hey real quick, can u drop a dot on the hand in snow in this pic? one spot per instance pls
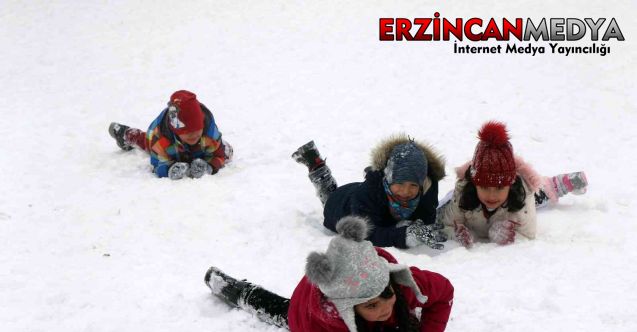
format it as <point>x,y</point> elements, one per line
<point>199,167</point>
<point>503,232</point>
<point>418,233</point>
<point>178,170</point>
<point>463,235</point>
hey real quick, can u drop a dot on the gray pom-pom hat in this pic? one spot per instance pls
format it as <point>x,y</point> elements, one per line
<point>350,272</point>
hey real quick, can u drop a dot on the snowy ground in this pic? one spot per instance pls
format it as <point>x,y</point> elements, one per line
<point>91,241</point>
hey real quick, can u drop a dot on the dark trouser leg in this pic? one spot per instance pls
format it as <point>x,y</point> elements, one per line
<point>136,137</point>
<point>269,307</point>
<point>323,181</point>
<point>541,199</point>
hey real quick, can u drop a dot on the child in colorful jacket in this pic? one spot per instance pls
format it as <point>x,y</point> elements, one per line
<point>399,195</point>
<point>353,286</point>
<point>497,193</point>
<point>182,141</point>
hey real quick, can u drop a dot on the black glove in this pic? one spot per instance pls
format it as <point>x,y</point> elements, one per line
<point>419,233</point>
<point>199,167</point>
<point>178,170</point>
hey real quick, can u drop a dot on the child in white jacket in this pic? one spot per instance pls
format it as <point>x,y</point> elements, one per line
<point>497,193</point>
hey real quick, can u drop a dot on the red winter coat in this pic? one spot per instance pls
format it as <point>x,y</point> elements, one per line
<point>310,311</point>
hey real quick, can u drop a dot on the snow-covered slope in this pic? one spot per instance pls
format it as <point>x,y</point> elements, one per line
<point>90,240</point>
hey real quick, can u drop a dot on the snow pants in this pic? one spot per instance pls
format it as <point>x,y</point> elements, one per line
<point>136,137</point>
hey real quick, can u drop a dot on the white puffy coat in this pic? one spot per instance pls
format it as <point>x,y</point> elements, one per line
<point>476,221</point>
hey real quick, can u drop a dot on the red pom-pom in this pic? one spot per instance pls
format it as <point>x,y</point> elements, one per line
<point>494,133</point>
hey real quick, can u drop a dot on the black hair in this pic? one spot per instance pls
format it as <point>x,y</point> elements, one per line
<point>406,321</point>
<point>469,195</point>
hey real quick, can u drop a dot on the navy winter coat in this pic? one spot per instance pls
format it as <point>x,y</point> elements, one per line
<point>368,199</point>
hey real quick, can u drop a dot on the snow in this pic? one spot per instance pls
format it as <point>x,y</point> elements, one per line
<point>92,241</point>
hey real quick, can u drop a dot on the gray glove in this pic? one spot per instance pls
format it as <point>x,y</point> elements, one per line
<point>418,233</point>
<point>178,170</point>
<point>199,167</point>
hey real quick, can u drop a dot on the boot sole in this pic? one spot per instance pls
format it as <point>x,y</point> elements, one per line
<point>111,131</point>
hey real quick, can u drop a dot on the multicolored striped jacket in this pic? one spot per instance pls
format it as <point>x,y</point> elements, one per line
<point>165,147</point>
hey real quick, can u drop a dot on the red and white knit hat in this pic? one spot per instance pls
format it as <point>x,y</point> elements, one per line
<point>493,164</point>
<point>184,113</point>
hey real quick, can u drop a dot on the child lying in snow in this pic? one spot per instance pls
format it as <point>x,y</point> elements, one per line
<point>352,287</point>
<point>182,141</point>
<point>497,193</point>
<point>399,195</point>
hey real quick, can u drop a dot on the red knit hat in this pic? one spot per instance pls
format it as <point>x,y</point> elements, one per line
<point>493,164</point>
<point>184,113</point>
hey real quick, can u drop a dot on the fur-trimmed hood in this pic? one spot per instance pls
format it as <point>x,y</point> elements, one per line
<point>380,155</point>
<point>522,168</point>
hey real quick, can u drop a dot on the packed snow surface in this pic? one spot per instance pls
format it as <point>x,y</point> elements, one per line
<point>91,240</point>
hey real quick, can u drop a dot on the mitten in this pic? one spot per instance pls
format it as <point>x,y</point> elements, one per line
<point>464,235</point>
<point>199,167</point>
<point>178,170</point>
<point>418,233</point>
<point>502,232</point>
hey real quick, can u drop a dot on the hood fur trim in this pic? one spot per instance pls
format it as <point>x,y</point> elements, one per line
<point>380,154</point>
<point>522,168</point>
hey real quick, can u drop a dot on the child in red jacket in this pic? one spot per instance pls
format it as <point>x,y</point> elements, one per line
<point>353,286</point>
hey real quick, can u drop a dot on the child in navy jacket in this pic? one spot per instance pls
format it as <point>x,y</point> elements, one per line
<point>399,195</point>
